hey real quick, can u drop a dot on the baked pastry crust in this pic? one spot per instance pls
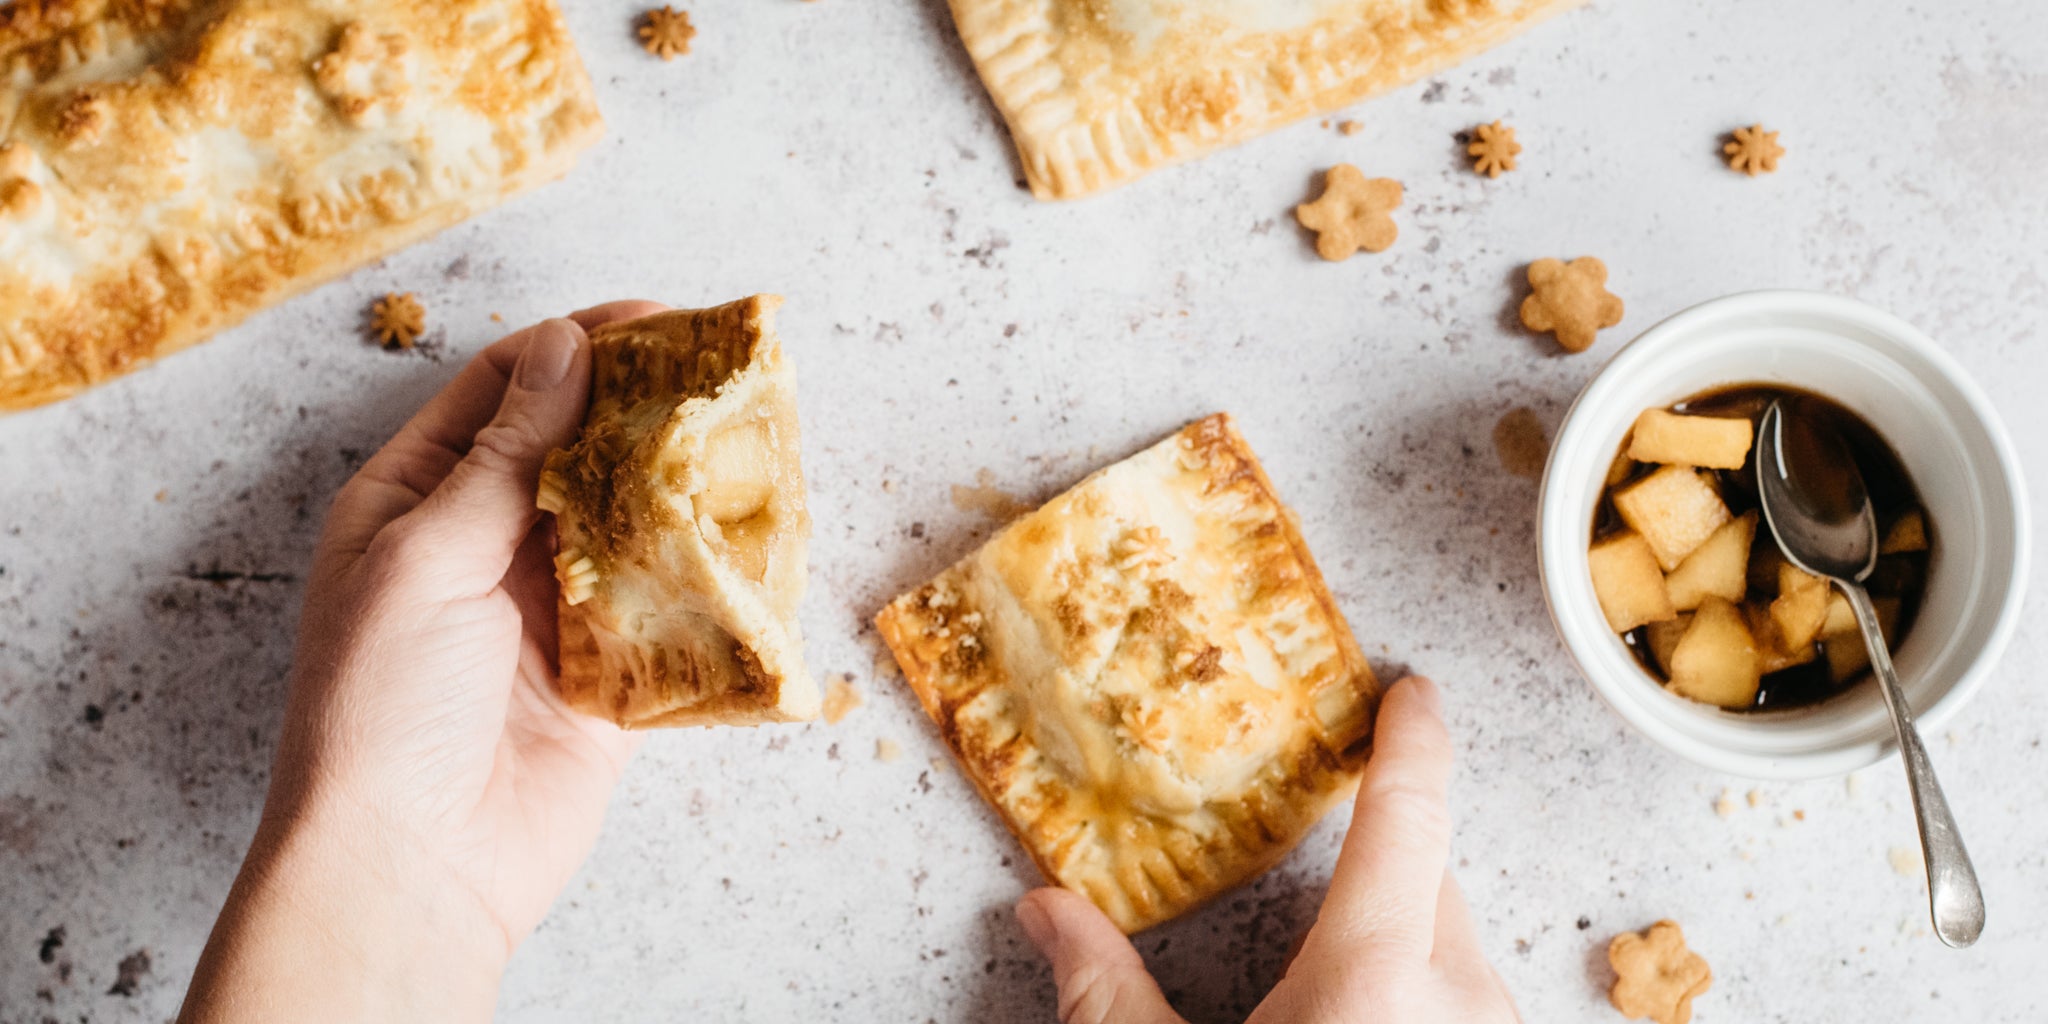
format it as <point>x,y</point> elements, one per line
<point>171,166</point>
<point>1098,92</point>
<point>681,525</point>
<point>1146,677</point>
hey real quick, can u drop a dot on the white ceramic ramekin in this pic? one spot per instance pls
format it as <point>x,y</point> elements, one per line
<point>1943,428</point>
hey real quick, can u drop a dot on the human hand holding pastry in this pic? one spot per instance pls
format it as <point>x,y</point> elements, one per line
<point>432,792</point>
<point>1394,941</point>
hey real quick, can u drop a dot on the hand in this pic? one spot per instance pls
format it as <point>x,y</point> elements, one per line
<point>432,793</point>
<point>1394,943</point>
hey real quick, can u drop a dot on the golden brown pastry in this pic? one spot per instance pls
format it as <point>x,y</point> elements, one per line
<point>1146,677</point>
<point>681,524</point>
<point>168,167</point>
<point>1098,92</point>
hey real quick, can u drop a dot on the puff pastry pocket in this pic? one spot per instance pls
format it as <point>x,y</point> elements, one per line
<point>168,167</point>
<point>681,525</point>
<point>1146,677</point>
<point>1098,92</point>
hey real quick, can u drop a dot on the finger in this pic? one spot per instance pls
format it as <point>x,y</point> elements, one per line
<point>1101,978</point>
<point>410,465</point>
<point>1457,938</point>
<point>610,312</point>
<point>465,533</point>
<point>1384,889</point>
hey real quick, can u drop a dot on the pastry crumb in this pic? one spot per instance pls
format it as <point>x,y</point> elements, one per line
<point>1756,798</point>
<point>163,495</point>
<point>1853,785</point>
<point>1519,441</point>
<point>888,486</point>
<point>986,499</point>
<point>1493,149</point>
<point>497,318</point>
<point>1753,151</point>
<point>1349,127</point>
<point>1354,212</point>
<point>941,765</point>
<point>840,698</point>
<point>666,32</point>
<point>1724,805</point>
<point>887,750</point>
<point>397,321</point>
<point>1907,861</point>
<point>1570,301</point>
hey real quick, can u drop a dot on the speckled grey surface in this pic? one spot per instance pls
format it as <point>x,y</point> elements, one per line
<point>154,533</point>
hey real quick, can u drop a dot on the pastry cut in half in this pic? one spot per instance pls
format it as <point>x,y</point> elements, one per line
<point>1146,677</point>
<point>681,526</point>
<point>1098,92</point>
<point>168,167</point>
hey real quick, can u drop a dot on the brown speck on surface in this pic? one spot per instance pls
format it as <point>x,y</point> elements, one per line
<point>18,826</point>
<point>986,499</point>
<point>840,698</point>
<point>53,940</point>
<point>1519,440</point>
<point>129,974</point>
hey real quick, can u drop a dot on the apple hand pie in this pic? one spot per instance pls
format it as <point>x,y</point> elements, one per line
<point>1146,677</point>
<point>168,167</point>
<point>1098,92</point>
<point>681,523</point>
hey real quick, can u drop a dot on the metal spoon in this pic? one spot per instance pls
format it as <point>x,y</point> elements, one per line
<point>1814,499</point>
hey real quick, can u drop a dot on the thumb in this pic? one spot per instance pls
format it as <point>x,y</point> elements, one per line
<point>473,523</point>
<point>1101,978</point>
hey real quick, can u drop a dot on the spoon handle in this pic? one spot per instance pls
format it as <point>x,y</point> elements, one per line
<point>1956,901</point>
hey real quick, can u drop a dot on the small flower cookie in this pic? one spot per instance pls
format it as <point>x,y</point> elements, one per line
<point>1354,212</point>
<point>1753,151</point>
<point>666,32</point>
<point>1493,149</point>
<point>398,320</point>
<point>1657,977</point>
<point>1570,300</point>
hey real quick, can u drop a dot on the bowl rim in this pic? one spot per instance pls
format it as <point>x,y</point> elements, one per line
<point>1842,757</point>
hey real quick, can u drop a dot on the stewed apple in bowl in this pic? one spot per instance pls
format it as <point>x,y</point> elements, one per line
<point>1703,598</point>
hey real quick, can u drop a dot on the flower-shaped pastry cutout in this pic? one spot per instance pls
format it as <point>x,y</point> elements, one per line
<point>1753,151</point>
<point>1493,149</point>
<point>1354,212</point>
<point>398,320</point>
<point>1656,976</point>
<point>1570,300</point>
<point>666,33</point>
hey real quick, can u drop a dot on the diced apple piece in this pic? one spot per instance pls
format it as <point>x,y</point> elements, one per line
<point>1620,468</point>
<point>1846,654</point>
<point>1628,582</point>
<point>1719,567</point>
<point>1841,619</point>
<point>1716,661</point>
<point>1663,638</point>
<point>1772,653</point>
<point>1909,533</point>
<point>1710,442</point>
<point>1675,509</point>
<point>1801,608</point>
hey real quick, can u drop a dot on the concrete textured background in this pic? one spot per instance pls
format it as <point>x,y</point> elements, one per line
<point>153,533</point>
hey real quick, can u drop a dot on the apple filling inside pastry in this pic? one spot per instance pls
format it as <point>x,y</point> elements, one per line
<point>682,526</point>
<point>1146,677</point>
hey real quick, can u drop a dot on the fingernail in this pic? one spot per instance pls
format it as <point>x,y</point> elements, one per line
<point>1037,924</point>
<point>1426,691</point>
<point>545,363</point>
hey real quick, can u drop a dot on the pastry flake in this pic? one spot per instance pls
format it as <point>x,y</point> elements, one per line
<point>682,525</point>
<point>1146,677</point>
<point>1571,301</point>
<point>168,168</point>
<point>1098,92</point>
<point>1354,212</point>
<point>1753,151</point>
<point>1493,149</point>
<point>396,320</point>
<point>1656,976</point>
<point>666,32</point>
